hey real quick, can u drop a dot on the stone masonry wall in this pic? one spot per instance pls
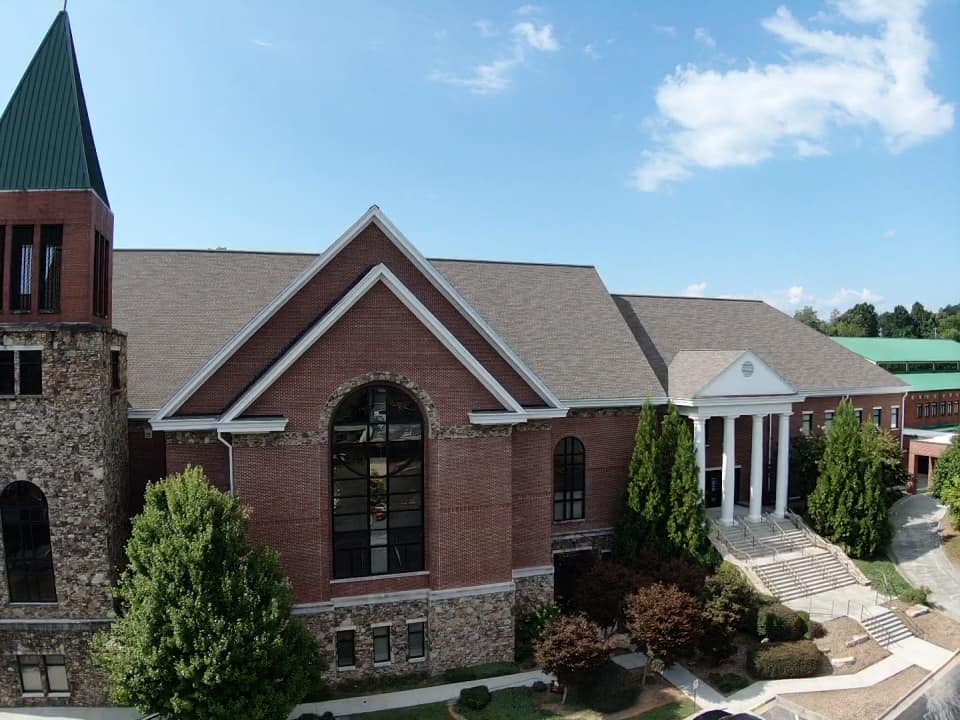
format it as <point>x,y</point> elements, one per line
<point>471,630</point>
<point>533,592</point>
<point>71,443</point>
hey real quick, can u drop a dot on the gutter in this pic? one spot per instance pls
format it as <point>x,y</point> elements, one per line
<point>229,458</point>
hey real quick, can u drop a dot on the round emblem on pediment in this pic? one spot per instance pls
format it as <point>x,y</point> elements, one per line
<point>747,368</point>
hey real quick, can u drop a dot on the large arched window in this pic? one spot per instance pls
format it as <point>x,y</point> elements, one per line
<point>377,484</point>
<point>569,473</point>
<point>26,543</point>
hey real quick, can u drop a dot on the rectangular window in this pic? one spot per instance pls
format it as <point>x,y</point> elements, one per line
<point>828,419</point>
<point>6,372</point>
<point>43,674</point>
<point>101,269</point>
<point>345,648</point>
<point>919,410</point>
<point>807,423</point>
<point>878,417</point>
<point>933,409</point>
<point>31,372</point>
<point>926,409</point>
<point>21,268</point>
<point>706,432</point>
<point>114,369</point>
<point>416,641</point>
<point>859,412</point>
<point>51,242</point>
<point>894,417</point>
<point>381,644</point>
<point>3,256</point>
<point>943,408</point>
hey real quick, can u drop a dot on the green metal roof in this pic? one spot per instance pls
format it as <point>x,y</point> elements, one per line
<point>45,137</point>
<point>922,382</point>
<point>902,349</point>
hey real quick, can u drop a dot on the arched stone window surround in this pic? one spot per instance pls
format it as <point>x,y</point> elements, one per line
<point>28,552</point>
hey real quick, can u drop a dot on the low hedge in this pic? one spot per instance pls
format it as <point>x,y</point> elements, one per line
<point>611,689</point>
<point>778,622</point>
<point>728,683</point>
<point>479,672</point>
<point>781,660</point>
<point>475,698</point>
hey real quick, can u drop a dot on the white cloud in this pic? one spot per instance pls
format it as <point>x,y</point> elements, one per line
<point>712,119</point>
<point>591,52</point>
<point>695,289</point>
<point>794,295</point>
<point>262,43</point>
<point>664,29</point>
<point>845,297</point>
<point>889,233</point>
<point>528,9</point>
<point>702,36</point>
<point>541,38</point>
<point>485,27</point>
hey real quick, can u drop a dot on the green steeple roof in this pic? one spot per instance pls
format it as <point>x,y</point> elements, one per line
<point>45,137</point>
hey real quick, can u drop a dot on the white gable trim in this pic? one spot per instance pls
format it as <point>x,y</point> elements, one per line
<point>380,273</point>
<point>728,379</point>
<point>374,215</point>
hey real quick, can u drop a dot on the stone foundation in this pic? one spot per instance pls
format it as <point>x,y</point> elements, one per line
<point>599,541</point>
<point>88,684</point>
<point>471,630</point>
<point>534,591</point>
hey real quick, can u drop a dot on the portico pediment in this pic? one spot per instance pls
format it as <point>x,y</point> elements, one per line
<point>696,375</point>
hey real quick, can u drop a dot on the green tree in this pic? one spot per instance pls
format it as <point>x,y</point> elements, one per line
<point>572,648</point>
<point>667,450</point>
<point>859,321</point>
<point>665,621</point>
<point>205,631</point>
<point>897,323</point>
<point>687,523</point>
<point>872,521</point>
<point>831,505</point>
<point>946,480</point>
<point>948,320</point>
<point>730,604</point>
<point>808,316</point>
<point>645,495</point>
<point>806,453</point>
<point>924,321</point>
<point>885,450</point>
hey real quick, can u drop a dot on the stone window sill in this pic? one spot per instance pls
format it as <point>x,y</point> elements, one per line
<point>58,695</point>
<point>368,578</point>
<point>33,604</point>
<point>569,522</point>
<point>417,659</point>
<point>385,663</point>
<point>346,668</point>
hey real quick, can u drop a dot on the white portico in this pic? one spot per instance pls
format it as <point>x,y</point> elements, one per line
<point>729,384</point>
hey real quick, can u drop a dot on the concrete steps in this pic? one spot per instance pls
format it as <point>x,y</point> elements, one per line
<point>760,541</point>
<point>810,574</point>
<point>886,628</point>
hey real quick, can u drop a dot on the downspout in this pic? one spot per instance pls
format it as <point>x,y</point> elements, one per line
<point>229,457</point>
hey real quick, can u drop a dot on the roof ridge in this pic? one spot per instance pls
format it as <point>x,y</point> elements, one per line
<point>686,297</point>
<point>513,262</point>
<point>216,251</point>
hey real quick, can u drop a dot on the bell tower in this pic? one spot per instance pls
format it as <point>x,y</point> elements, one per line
<point>56,227</point>
<point>63,399</point>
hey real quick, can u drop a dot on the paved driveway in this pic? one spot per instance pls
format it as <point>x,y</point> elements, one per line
<point>916,549</point>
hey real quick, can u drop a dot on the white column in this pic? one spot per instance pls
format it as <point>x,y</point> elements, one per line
<point>756,470</point>
<point>727,471</point>
<point>699,442</point>
<point>783,464</point>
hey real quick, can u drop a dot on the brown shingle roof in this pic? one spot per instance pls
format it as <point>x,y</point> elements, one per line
<point>178,307</point>
<point>692,370</point>
<point>805,358</point>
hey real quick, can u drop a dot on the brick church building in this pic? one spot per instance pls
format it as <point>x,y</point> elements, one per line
<point>418,438</point>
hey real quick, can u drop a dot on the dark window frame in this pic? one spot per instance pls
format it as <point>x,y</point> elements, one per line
<point>8,373</point>
<point>115,371</point>
<point>43,663</point>
<point>51,269</point>
<point>344,639</point>
<point>859,413</point>
<point>806,423</point>
<point>3,259</point>
<point>828,417</point>
<point>382,633</point>
<point>28,551</point>
<point>569,479</point>
<point>894,417</point>
<point>417,629</point>
<point>878,416</point>
<point>21,268</point>
<point>30,381</point>
<point>101,274</point>
<point>368,440</point>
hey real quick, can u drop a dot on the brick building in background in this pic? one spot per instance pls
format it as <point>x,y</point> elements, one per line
<point>419,439</point>
<point>931,408</point>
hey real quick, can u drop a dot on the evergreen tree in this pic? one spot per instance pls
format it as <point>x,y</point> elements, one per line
<point>205,631</point>
<point>832,504</point>
<point>645,490</point>
<point>871,515</point>
<point>687,523</point>
<point>667,450</point>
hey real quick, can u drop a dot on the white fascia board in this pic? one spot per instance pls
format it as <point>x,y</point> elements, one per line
<point>459,302</point>
<point>498,418</point>
<point>734,400</point>
<point>380,273</point>
<point>614,402</point>
<point>374,214</point>
<point>135,414</point>
<point>546,413</point>
<point>243,426</point>
<point>846,392</point>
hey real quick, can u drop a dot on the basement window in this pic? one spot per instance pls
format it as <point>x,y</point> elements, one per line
<point>29,363</point>
<point>43,674</point>
<point>345,649</point>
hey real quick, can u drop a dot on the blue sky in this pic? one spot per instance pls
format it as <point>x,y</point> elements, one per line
<point>802,152</point>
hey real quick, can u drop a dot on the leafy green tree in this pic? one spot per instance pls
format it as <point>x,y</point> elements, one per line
<point>808,316</point>
<point>859,321</point>
<point>573,649</point>
<point>730,603</point>
<point>806,454</point>
<point>687,523</point>
<point>873,523</point>
<point>885,450</point>
<point>924,321</point>
<point>897,323</point>
<point>665,621</point>
<point>205,631</point>
<point>645,495</point>
<point>946,480</point>
<point>948,319</point>
<point>667,447</point>
<point>831,504</point>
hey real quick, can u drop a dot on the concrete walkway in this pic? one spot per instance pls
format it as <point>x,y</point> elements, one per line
<point>909,652</point>
<point>916,550</point>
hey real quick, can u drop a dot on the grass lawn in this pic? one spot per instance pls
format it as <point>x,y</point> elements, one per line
<point>437,711</point>
<point>951,540</point>
<point>673,711</point>
<point>884,576</point>
<point>512,704</point>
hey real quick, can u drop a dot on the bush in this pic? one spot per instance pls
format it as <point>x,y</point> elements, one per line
<point>665,621</point>
<point>728,683</point>
<point>614,689</point>
<point>529,628</point>
<point>572,648</point>
<point>815,631</point>
<point>778,622</point>
<point>916,596</point>
<point>778,661</point>
<point>603,589</point>
<point>478,672</point>
<point>475,698</point>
